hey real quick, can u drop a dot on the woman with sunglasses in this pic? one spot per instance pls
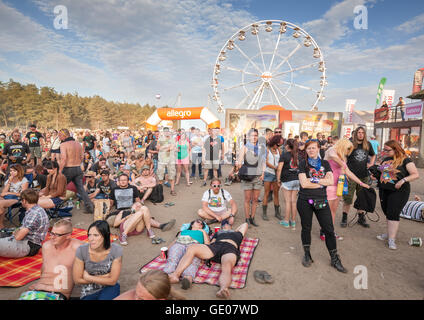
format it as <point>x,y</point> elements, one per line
<point>97,265</point>
<point>315,176</point>
<point>214,204</point>
<point>197,232</point>
<point>396,171</point>
<point>337,157</point>
<point>12,189</point>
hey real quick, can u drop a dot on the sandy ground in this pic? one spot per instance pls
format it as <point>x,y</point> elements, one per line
<point>390,274</point>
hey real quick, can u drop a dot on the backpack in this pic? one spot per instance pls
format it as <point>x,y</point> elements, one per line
<point>157,194</point>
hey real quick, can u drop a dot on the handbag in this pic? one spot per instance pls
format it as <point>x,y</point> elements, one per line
<point>243,173</point>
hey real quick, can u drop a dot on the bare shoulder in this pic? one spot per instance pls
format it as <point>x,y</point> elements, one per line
<point>76,243</point>
<point>48,245</point>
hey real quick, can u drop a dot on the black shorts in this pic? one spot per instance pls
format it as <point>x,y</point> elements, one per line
<point>220,248</point>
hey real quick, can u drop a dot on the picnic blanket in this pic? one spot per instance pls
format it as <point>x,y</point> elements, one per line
<point>21,271</point>
<point>211,275</point>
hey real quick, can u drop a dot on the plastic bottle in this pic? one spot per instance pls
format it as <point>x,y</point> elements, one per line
<point>77,204</point>
<point>340,185</point>
<point>70,203</point>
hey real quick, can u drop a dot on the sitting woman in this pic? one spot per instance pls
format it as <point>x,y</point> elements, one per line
<point>12,190</point>
<point>133,222</point>
<point>55,191</point>
<point>224,249</point>
<point>97,264</point>
<point>195,233</point>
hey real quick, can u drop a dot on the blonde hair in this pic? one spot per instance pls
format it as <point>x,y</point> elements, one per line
<point>343,148</point>
<point>64,222</point>
<point>158,285</point>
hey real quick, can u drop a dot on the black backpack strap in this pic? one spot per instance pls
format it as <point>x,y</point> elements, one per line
<point>222,192</point>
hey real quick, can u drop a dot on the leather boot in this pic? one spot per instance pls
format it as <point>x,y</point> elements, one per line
<point>252,222</point>
<point>343,223</point>
<point>307,259</point>
<point>264,209</point>
<point>362,221</point>
<point>278,212</point>
<point>335,261</point>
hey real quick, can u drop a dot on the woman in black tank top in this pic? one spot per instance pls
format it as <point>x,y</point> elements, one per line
<point>224,249</point>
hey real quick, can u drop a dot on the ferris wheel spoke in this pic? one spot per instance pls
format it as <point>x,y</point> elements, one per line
<point>296,69</point>
<point>247,97</point>
<point>260,50</point>
<point>295,84</point>
<point>275,51</point>
<point>241,85</point>
<point>288,57</point>
<point>250,60</point>
<point>275,95</point>
<point>255,96</point>
<point>242,71</point>
<point>285,96</point>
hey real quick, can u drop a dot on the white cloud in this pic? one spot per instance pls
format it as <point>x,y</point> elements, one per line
<point>413,25</point>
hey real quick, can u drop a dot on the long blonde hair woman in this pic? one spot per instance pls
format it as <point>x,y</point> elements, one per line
<point>336,157</point>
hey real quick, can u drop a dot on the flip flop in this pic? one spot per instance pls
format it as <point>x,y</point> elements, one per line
<point>157,240</point>
<point>259,276</point>
<point>185,284</point>
<point>267,277</point>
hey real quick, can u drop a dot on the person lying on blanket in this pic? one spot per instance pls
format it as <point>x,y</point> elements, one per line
<point>224,249</point>
<point>195,234</point>
<point>56,281</point>
<point>152,285</point>
<point>131,222</point>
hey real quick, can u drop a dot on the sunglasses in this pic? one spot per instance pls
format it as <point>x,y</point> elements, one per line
<point>277,131</point>
<point>58,234</point>
<point>216,186</point>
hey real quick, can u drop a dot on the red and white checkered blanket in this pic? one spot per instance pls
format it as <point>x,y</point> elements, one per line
<point>211,275</point>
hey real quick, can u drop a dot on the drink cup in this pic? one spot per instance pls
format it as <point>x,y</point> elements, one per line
<point>164,253</point>
<point>217,229</point>
<point>416,242</point>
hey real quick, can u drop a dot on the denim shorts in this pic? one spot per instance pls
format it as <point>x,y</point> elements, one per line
<point>269,177</point>
<point>56,201</point>
<point>293,185</point>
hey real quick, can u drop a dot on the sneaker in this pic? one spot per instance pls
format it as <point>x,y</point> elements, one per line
<point>340,238</point>
<point>123,239</point>
<point>292,225</point>
<point>392,244</point>
<point>285,224</point>
<point>321,235</point>
<point>167,226</point>
<point>382,237</point>
<point>150,234</point>
<point>167,184</point>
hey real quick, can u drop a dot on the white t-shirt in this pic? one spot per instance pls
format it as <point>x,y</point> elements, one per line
<point>216,202</point>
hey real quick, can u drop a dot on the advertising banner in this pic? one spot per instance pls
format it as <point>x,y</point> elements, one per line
<point>388,96</point>
<point>379,91</point>
<point>350,105</point>
<point>418,80</point>
<point>381,114</point>
<point>347,131</point>
<point>414,110</point>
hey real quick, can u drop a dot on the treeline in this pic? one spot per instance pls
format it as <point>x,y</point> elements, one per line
<point>21,105</point>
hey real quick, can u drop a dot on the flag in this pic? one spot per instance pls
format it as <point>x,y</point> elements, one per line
<point>388,96</point>
<point>350,105</point>
<point>380,91</point>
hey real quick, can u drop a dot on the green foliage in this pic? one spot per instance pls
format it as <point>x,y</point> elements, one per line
<point>21,105</point>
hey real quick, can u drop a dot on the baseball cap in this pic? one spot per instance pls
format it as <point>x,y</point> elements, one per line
<point>145,168</point>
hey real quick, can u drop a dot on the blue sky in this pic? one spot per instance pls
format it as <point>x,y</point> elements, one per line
<point>132,50</point>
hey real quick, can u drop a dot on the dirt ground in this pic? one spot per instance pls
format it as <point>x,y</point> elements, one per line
<point>390,274</point>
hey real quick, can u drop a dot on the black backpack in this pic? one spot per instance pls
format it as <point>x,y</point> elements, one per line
<point>157,194</point>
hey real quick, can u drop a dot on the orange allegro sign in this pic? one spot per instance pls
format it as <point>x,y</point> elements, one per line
<point>180,113</point>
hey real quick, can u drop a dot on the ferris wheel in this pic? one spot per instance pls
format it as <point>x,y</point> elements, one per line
<point>263,63</point>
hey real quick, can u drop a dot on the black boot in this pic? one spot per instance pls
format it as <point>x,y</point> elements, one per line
<point>307,259</point>
<point>278,212</point>
<point>362,221</point>
<point>343,223</point>
<point>252,222</point>
<point>264,209</point>
<point>335,261</point>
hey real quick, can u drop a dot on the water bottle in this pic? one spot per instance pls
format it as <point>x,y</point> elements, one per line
<point>70,203</point>
<point>77,204</point>
<point>345,187</point>
<point>340,185</point>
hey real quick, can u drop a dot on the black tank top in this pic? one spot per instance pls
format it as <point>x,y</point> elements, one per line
<point>236,236</point>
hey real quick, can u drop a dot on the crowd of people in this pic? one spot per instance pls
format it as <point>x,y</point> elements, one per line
<point>115,174</point>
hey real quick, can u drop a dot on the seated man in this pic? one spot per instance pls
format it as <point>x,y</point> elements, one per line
<point>90,185</point>
<point>101,195</point>
<point>26,241</point>
<point>145,183</point>
<point>99,166</point>
<point>214,204</point>
<point>224,249</point>
<point>56,281</point>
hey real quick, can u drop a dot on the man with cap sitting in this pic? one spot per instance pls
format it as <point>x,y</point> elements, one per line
<point>145,183</point>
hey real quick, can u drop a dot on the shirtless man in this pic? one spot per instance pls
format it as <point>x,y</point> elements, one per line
<point>71,156</point>
<point>56,282</point>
